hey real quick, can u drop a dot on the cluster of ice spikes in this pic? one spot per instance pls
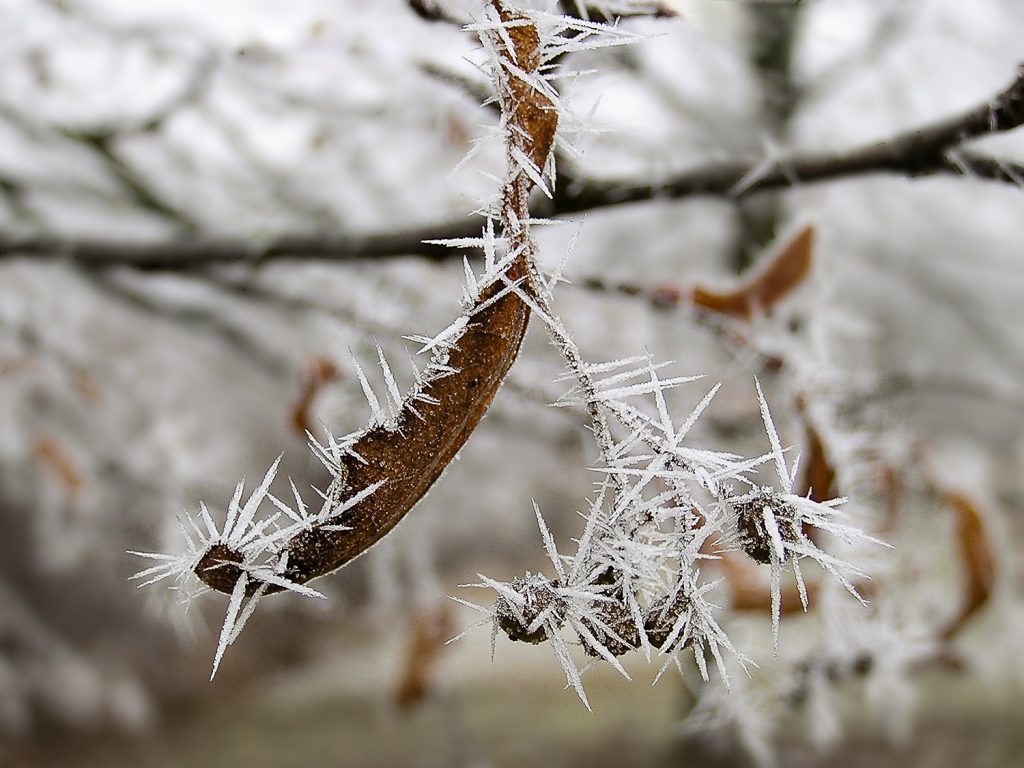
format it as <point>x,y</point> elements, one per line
<point>252,541</point>
<point>634,582</point>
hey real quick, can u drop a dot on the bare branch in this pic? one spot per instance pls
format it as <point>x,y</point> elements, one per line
<point>579,9</point>
<point>931,150</point>
<point>249,347</point>
<point>189,254</point>
<point>430,10</point>
<point>916,153</point>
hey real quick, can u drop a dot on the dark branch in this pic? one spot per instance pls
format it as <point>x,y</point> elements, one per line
<point>593,11</point>
<point>916,153</point>
<point>197,254</point>
<point>932,150</point>
<point>428,10</point>
<point>207,321</point>
<point>145,197</point>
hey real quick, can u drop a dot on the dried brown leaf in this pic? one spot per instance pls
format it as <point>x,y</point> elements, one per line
<point>87,386</point>
<point>767,287</point>
<point>818,477</point>
<point>55,458</point>
<point>750,592</point>
<point>319,373</point>
<point>977,561</point>
<point>16,365</point>
<point>427,633</point>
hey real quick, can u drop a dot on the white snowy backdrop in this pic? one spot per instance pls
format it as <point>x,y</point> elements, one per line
<point>284,133</point>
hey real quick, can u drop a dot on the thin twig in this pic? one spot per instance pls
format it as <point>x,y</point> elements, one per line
<point>923,152</point>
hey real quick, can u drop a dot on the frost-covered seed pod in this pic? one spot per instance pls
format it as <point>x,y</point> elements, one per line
<point>754,538</point>
<point>661,620</point>
<point>539,597</point>
<point>618,619</point>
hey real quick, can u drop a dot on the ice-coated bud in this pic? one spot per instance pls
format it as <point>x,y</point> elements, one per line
<point>516,620</point>
<point>755,538</point>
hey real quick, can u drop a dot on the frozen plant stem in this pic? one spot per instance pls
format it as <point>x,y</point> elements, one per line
<point>532,119</point>
<point>634,581</point>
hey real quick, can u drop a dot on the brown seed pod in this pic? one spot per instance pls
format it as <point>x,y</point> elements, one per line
<point>615,616</point>
<point>405,461</point>
<point>526,108</point>
<point>409,459</point>
<point>540,597</point>
<point>754,538</point>
<point>661,619</point>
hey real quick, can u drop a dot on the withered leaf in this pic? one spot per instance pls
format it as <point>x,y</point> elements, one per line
<point>750,592</point>
<point>817,480</point>
<point>768,286</point>
<point>428,631</point>
<point>977,561</point>
<point>52,455</point>
<point>319,374</point>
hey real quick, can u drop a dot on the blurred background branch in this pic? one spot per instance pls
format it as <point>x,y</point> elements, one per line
<point>929,150</point>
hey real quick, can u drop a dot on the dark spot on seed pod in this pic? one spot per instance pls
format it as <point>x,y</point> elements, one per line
<point>540,597</point>
<point>754,538</point>
<point>662,616</point>
<point>215,567</point>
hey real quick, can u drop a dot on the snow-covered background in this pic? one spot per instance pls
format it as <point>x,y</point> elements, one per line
<point>128,395</point>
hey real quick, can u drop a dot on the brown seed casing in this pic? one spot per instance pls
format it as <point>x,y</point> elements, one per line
<point>408,460</point>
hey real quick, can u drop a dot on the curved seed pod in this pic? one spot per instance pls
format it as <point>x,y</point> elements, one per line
<point>525,107</point>
<point>409,458</point>
<point>404,460</point>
